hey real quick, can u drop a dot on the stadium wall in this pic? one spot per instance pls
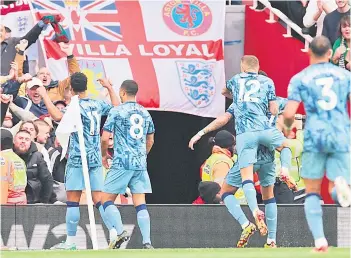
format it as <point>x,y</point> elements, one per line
<point>172,226</point>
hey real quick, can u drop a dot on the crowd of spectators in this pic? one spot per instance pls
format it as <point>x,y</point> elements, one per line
<point>28,140</point>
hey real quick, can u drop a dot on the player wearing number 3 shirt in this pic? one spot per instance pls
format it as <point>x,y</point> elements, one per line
<point>324,90</point>
<point>133,131</point>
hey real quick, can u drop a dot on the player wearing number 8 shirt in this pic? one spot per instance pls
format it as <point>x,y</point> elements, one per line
<point>325,90</point>
<point>133,131</point>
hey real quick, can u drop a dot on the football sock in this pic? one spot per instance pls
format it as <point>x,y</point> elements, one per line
<point>271,219</point>
<point>234,209</point>
<point>144,222</point>
<point>72,220</point>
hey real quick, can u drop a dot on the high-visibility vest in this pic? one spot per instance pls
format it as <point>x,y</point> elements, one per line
<point>207,167</point>
<point>13,178</point>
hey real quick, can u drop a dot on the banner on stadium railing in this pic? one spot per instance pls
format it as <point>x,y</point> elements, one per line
<point>172,49</point>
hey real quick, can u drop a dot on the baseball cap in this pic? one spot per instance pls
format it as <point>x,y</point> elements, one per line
<point>224,139</point>
<point>34,82</point>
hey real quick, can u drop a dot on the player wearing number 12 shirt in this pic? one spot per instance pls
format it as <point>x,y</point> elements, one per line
<point>133,131</point>
<point>325,90</point>
<point>253,97</point>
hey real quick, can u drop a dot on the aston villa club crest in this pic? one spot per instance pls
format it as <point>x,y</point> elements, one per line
<point>187,18</point>
<point>197,82</point>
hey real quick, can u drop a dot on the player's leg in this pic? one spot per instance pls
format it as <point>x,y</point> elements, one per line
<point>229,188</point>
<point>274,139</point>
<point>267,180</point>
<point>140,185</point>
<point>96,184</point>
<point>246,145</point>
<point>312,172</point>
<point>74,183</point>
<point>116,182</point>
<point>338,172</point>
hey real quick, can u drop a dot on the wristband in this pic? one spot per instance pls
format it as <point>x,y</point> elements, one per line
<point>20,52</point>
<point>201,133</point>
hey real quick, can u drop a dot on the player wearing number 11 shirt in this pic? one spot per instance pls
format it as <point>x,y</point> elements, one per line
<point>325,90</point>
<point>133,131</point>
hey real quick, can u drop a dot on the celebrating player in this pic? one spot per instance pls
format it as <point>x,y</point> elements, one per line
<point>266,169</point>
<point>324,89</point>
<point>91,112</point>
<point>133,131</point>
<point>253,96</point>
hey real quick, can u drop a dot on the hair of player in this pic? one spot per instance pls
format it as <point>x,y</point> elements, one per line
<point>6,139</point>
<point>130,87</point>
<point>344,22</point>
<point>7,29</point>
<point>320,46</point>
<point>79,82</point>
<point>250,61</point>
<point>29,122</point>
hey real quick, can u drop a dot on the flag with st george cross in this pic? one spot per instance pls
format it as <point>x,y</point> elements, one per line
<point>172,49</point>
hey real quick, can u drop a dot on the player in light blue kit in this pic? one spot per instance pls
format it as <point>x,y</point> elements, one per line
<point>265,167</point>
<point>325,90</point>
<point>91,111</point>
<point>253,97</point>
<point>133,131</point>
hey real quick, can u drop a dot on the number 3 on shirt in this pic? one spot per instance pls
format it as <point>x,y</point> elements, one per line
<point>136,130</point>
<point>246,96</point>
<point>327,83</point>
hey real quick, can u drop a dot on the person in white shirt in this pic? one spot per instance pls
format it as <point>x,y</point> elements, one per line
<point>316,11</point>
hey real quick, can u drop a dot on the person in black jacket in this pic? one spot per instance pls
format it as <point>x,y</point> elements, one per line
<point>39,180</point>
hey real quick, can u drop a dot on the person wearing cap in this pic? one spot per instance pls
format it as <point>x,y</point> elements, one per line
<point>32,101</point>
<point>13,172</point>
<point>57,90</point>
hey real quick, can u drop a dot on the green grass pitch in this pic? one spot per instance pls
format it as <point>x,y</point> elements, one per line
<point>184,253</point>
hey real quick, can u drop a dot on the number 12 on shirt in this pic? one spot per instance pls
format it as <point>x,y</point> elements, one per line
<point>246,96</point>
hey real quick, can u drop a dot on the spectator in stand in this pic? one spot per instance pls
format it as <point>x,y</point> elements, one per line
<point>33,129</point>
<point>332,20</point>
<point>58,168</point>
<point>315,13</point>
<point>57,90</point>
<point>8,45</point>
<point>39,179</point>
<point>341,48</point>
<point>13,172</point>
<point>33,101</point>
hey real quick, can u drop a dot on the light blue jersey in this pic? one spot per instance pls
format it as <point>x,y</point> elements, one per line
<point>91,111</point>
<point>324,89</point>
<point>281,102</point>
<point>251,96</point>
<point>129,123</point>
<point>264,155</point>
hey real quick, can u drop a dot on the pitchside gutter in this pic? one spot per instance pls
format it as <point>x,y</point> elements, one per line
<point>172,226</point>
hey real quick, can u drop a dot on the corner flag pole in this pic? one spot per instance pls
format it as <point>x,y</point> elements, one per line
<point>88,189</point>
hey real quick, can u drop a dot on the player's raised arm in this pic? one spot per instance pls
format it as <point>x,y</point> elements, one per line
<point>108,85</point>
<point>272,104</point>
<point>54,112</point>
<point>219,122</point>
